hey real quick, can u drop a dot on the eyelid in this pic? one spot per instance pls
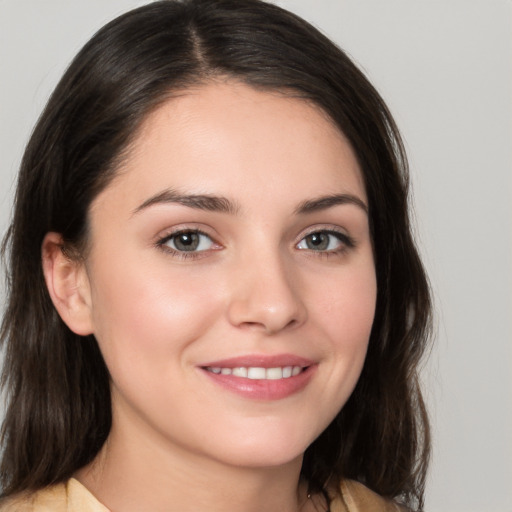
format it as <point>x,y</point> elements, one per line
<point>326,228</point>
<point>174,239</point>
<point>194,227</point>
<point>347,242</point>
<point>164,236</point>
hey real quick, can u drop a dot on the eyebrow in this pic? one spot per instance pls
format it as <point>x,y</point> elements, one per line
<point>198,201</point>
<point>222,204</point>
<point>325,202</point>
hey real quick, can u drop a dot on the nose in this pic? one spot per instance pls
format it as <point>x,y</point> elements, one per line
<point>266,296</point>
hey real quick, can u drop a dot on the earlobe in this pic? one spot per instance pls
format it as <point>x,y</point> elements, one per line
<point>68,285</point>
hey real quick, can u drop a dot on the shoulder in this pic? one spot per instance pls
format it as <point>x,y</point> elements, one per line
<point>70,496</point>
<point>355,497</point>
<point>49,499</point>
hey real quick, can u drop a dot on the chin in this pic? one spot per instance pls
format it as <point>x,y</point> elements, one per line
<point>264,447</point>
<point>263,457</point>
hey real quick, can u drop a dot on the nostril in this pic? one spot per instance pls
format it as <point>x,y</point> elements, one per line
<point>268,327</point>
<point>269,305</point>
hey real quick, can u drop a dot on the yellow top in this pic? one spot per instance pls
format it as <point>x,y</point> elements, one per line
<point>72,496</point>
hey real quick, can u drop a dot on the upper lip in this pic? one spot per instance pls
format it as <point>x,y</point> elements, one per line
<point>260,361</point>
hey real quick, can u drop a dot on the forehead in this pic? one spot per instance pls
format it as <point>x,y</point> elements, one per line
<point>230,139</point>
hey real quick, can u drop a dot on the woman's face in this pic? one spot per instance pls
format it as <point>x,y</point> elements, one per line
<point>231,278</point>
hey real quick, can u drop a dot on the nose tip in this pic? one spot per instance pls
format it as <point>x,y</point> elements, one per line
<point>267,300</point>
<point>268,319</point>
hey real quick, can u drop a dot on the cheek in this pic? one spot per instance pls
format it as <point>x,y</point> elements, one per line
<point>345,313</point>
<point>347,305</point>
<point>146,313</point>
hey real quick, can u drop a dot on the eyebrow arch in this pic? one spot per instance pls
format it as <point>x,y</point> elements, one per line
<point>325,202</point>
<point>198,201</point>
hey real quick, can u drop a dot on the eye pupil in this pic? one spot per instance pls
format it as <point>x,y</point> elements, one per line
<point>317,241</point>
<point>186,241</point>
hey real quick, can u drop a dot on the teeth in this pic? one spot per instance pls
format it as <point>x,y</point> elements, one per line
<point>287,372</point>
<point>239,372</point>
<point>256,373</point>
<point>296,370</point>
<point>274,373</point>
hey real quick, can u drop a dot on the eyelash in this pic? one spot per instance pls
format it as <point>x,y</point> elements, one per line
<point>161,243</point>
<point>345,240</point>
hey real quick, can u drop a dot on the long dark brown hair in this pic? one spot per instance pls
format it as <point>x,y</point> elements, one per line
<point>56,384</point>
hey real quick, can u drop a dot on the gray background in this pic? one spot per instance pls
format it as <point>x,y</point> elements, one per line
<point>445,69</point>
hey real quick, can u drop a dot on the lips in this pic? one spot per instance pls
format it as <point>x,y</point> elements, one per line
<point>261,377</point>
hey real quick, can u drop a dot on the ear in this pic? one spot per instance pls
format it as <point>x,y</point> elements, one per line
<point>68,285</point>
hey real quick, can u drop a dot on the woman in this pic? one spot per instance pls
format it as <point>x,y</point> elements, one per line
<point>215,301</point>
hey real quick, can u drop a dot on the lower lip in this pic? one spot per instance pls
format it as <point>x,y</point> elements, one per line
<point>263,389</point>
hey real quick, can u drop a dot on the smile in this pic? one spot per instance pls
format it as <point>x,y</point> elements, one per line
<point>258,373</point>
<point>261,377</point>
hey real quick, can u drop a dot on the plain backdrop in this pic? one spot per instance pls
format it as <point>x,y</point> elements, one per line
<point>445,69</point>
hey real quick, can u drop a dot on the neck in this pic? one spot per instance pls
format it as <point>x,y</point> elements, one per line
<point>135,471</point>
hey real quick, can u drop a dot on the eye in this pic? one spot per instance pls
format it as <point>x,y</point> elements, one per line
<point>325,241</point>
<point>188,241</point>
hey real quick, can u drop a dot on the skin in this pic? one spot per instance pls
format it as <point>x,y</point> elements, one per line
<point>179,441</point>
